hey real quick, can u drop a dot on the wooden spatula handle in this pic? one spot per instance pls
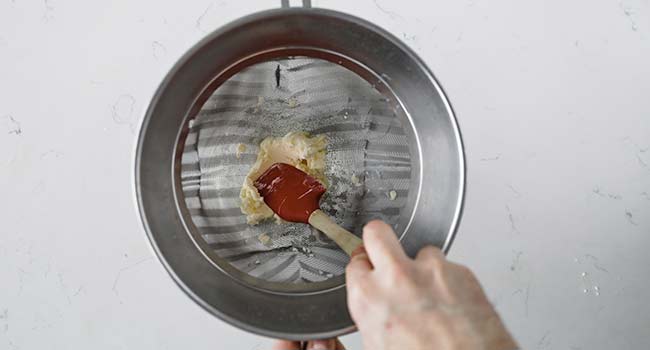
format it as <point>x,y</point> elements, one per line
<point>344,238</point>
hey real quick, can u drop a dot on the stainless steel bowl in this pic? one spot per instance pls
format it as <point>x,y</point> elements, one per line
<point>438,168</point>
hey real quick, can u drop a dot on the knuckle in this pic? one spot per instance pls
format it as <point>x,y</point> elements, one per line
<point>431,257</point>
<point>401,274</point>
<point>434,252</point>
<point>438,255</point>
<point>427,250</point>
<point>397,269</point>
<point>439,266</point>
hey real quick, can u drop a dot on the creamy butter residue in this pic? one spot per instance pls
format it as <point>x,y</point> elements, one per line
<point>295,148</point>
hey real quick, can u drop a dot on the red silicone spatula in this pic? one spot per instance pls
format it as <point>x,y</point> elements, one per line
<point>295,195</point>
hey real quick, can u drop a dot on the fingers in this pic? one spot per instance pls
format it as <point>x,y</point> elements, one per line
<point>322,344</point>
<point>382,245</point>
<point>358,266</point>
<point>430,254</point>
<point>286,345</point>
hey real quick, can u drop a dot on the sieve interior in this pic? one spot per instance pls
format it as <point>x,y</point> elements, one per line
<point>369,165</point>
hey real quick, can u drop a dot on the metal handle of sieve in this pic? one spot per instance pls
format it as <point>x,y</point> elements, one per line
<point>305,3</point>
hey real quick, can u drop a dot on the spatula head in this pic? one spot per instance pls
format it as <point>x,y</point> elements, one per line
<point>290,192</point>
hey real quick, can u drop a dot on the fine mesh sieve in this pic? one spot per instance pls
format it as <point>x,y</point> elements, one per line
<point>394,153</point>
<point>368,163</point>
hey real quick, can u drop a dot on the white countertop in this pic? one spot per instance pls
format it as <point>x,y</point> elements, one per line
<point>553,102</point>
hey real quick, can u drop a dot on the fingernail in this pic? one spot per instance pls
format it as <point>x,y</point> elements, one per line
<point>321,345</point>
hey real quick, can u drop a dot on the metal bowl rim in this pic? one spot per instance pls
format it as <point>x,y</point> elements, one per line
<point>185,59</point>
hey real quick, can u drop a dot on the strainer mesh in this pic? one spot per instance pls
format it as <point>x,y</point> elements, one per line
<point>368,163</point>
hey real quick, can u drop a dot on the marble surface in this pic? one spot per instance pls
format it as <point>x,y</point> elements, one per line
<point>552,99</point>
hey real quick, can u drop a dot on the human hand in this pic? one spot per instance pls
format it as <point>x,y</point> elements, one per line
<point>325,344</point>
<point>422,303</point>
